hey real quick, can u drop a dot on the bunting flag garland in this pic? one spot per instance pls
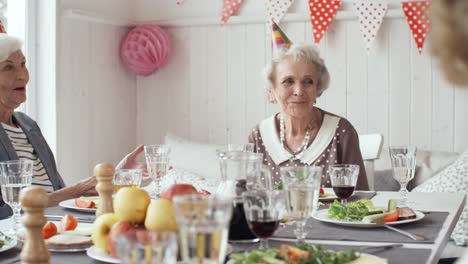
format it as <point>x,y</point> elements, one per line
<point>416,13</point>
<point>370,16</point>
<point>321,15</point>
<point>229,8</point>
<point>276,9</point>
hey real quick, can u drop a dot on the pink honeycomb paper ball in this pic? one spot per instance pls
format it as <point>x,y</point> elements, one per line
<point>145,49</point>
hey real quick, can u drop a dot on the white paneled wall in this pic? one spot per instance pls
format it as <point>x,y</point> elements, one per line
<point>96,106</point>
<point>212,88</point>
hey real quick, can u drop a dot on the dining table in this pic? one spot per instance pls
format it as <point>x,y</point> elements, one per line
<point>442,210</point>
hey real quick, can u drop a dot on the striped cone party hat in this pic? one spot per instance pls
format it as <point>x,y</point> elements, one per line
<point>279,41</point>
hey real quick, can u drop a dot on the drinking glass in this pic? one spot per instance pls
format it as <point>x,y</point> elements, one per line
<point>203,227</point>
<point>15,176</point>
<point>263,211</point>
<point>147,247</point>
<point>157,162</point>
<point>126,178</point>
<point>260,180</point>
<point>343,179</point>
<point>403,160</point>
<point>247,147</point>
<point>301,186</point>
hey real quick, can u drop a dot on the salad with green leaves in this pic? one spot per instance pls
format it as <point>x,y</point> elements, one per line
<point>353,211</point>
<point>4,240</point>
<point>299,254</point>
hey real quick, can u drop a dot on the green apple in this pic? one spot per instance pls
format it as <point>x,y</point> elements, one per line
<point>130,204</point>
<point>101,228</point>
<point>160,216</point>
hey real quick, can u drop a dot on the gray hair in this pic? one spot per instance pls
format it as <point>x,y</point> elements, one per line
<point>8,45</point>
<point>306,53</point>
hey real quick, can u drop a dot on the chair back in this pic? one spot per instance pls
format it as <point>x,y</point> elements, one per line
<point>371,146</point>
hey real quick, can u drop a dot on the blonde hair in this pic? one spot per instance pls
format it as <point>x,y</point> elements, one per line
<point>306,53</point>
<point>448,38</point>
<point>8,45</point>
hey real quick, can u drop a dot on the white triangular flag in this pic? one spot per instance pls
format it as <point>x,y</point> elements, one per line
<point>370,16</point>
<point>276,9</point>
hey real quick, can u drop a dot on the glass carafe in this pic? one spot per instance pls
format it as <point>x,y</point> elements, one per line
<point>237,169</point>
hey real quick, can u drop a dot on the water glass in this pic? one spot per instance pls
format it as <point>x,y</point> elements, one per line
<point>15,176</point>
<point>343,179</point>
<point>127,178</point>
<point>203,227</point>
<point>263,210</point>
<point>157,161</point>
<point>147,247</point>
<point>403,160</point>
<point>302,186</point>
<point>247,147</point>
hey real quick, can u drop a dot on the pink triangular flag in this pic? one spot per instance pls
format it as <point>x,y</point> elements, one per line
<point>370,16</point>
<point>229,8</point>
<point>321,15</point>
<point>417,15</point>
<point>276,9</point>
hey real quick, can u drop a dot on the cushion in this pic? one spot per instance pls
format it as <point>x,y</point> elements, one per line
<point>454,178</point>
<point>179,175</point>
<point>195,157</point>
<point>384,181</point>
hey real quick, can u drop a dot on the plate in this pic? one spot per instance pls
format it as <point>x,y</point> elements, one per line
<point>322,215</point>
<point>79,248</point>
<point>329,197</point>
<point>11,244</point>
<point>70,204</point>
<point>363,258</point>
<point>97,254</point>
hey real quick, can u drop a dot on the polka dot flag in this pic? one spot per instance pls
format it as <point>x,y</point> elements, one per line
<point>416,13</point>
<point>321,15</point>
<point>276,9</point>
<point>229,8</point>
<point>370,16</point>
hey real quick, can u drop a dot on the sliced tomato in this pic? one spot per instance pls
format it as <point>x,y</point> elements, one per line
<point>201,191</point>
<point>68,222</point>
<point>49,230</point>
<point>322,191</point>
<point>391,217</point>
<point>292,254</point>
<point>84,203</point>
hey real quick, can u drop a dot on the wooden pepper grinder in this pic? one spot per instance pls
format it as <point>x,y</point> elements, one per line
<point>104,173</point>
<point>34,201</point>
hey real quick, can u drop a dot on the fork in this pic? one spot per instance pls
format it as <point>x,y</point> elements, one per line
<point>406,233</point>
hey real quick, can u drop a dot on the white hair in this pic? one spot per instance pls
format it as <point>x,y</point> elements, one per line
<point>306,53</point>
<point>8,45</point>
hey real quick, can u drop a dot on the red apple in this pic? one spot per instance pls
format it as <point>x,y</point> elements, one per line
<point>178,189</point>
<point>118,228</point>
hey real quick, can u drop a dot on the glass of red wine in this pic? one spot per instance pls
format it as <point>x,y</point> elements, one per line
<point>263,210</point>
<point>343,179</point>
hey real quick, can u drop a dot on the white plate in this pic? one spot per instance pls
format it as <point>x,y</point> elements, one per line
<point>13,242</point>
<point>72,249</point>
<point>97,254</point>
<point>328,198</point>
<point>70,204</point>
<point>322,215</point>
<point>364,258</point>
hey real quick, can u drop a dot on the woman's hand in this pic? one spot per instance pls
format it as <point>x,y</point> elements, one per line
<point>130,162</point>
<point>86,187</point>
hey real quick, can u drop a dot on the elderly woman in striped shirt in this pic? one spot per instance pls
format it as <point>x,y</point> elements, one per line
<point>21,138</point>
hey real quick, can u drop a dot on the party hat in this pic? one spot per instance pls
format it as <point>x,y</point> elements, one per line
<point>279,42</point>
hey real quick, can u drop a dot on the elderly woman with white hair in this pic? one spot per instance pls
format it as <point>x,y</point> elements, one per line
<point>301,133</point>
<point>21,138</point>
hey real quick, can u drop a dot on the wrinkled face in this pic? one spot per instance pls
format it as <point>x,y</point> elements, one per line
<point>295,87</point>
<point>13,79</point>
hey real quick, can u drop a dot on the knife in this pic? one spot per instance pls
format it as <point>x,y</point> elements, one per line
<point>379,248</point>
<point>89,219</point>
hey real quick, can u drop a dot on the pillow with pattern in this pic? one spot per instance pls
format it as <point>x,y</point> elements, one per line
<point>179,175</point>
<point>454,178</point>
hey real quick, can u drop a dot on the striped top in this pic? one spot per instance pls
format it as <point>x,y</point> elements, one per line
<point>25,151</point>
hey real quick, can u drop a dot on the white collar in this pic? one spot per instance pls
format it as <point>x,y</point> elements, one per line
<point>279,155</point>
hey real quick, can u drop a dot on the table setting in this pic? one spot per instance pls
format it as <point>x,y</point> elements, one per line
<point>248,217</point>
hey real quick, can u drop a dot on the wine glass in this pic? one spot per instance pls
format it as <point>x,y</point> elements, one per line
<point>15,176</point>
<point>343,179</point>
<point>263,210</point>
<point>157,162</point>
<point>302,186</point>
<point>403,160</point>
